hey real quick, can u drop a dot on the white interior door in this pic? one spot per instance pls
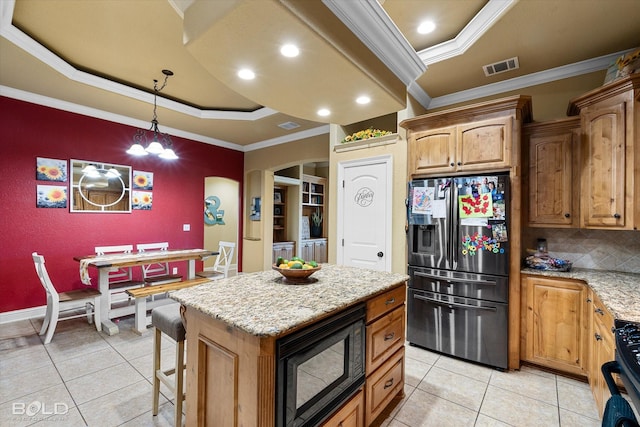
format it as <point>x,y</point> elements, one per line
<point>364,213</point>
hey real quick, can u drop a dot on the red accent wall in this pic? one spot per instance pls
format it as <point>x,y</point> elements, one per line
<point>30,131</point>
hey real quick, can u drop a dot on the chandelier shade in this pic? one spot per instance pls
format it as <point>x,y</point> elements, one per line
<point>152,141</point>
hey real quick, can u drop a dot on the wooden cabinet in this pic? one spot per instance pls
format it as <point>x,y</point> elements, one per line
<point>566,327</point>
<point>385,351</point>
<point>552,183</point>
<point>314,249</point>
<point>556,323</point>
<point>480,137</point>
<point>602,343</point>
<point>610,122</point>
<point>351,414</point>
<point>285,250</point>
<point>474,146</point>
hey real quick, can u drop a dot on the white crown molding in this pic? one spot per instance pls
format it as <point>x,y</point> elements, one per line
<point>46,101</point>
<point>320,130</point>
<point>368,20</point>
<point>416,91</point>
<point>484,20</point>
<point>553,74</point>
<point>35,49</point>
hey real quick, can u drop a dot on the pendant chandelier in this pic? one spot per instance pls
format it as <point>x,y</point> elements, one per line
<point>160,143</point>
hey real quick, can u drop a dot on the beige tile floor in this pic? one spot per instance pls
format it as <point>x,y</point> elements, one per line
<point>106,381</point>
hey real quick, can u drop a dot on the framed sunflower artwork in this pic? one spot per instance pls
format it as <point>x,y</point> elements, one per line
<point>51,169</point>
<point>142,180</point>
<point>51,196</point>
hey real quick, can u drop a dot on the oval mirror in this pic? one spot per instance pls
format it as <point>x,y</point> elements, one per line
<point>100,187</point>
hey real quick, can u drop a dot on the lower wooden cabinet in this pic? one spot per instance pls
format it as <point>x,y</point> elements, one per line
<point>314,249</point>
<point>285,250</point>
<point>556,323</point>
<point>602,343</point>
<point>383,385</point>
<point>350,415</point>
<point>566,327</point>
<point>385,351</point>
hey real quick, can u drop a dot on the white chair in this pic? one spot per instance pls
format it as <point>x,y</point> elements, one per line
<point>157,273</point>
<point>222,265</point>
<point>62,302</point>
<point>120,278</point>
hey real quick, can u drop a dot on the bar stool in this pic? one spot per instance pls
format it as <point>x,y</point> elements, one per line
<point>166,319</point>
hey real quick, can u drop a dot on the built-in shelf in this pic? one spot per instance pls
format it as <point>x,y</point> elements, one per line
<point>367,143</point>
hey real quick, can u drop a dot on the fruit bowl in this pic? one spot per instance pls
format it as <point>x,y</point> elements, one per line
<point>296,275</point>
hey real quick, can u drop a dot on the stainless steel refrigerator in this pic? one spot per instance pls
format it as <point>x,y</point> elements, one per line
<point>459,263</point>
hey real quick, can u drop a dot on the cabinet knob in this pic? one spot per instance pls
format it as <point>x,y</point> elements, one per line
<point>452,164</point>
<point>598,337</point>
<point>588,299</point>
<point>459,163</point>
<point>599,311</point>
<point>616,215</point>
<point>567,215</point>
<point>380,254</point>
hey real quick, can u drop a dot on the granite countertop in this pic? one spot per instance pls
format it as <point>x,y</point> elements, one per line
<point>262,304</point>
<point>619,292</point>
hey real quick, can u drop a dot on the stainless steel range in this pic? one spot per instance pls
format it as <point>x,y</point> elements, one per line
<point>627,365</point>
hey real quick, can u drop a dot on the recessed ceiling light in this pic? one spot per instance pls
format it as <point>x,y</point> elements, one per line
<point>246,74</point>
<point>426,27</point>
<point>363,99</point>
<point>324,112</point>
<point>289,50</point>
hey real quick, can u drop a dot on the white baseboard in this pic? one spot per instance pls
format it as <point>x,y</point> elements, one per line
<point>24,314</point>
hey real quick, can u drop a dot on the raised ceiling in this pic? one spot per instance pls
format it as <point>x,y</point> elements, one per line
<point>101,57</point>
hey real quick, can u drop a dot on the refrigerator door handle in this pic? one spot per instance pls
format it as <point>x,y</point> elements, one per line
<point>456,280</point>
<point>453,304</point>
<point>454,224</point>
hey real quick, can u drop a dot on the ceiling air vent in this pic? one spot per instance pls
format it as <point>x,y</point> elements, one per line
<point>289,125</point>
<point>501,66</point>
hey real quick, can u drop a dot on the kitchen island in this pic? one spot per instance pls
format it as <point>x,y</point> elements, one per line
<point>233,326</point>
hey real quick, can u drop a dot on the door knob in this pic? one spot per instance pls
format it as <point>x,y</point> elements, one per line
<point>380,254</point>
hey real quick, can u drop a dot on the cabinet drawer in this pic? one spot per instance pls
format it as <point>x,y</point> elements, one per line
<point>384,337</point>
<point>601,316</point>
<point>386,302</point>
<point>350,415</point>
<point>383,385</point>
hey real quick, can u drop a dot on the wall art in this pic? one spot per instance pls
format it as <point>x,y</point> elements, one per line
<point>142,180</point>
<point>51,169</point>
<point>51,196</point>
<point>142,200</point>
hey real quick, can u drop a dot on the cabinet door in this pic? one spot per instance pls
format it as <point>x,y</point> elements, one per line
<point>433,151</point>
<point>350,415</point>
<point>551,180</point>
<point>602,343</point>
<point>604,174</point>
<point>556,324</point>
<point>320,250</point>
<point>483,145</point>
<point>306,250</point>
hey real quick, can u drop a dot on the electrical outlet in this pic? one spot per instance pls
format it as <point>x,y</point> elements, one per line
<point>186,227</point>
<point>175,270</point>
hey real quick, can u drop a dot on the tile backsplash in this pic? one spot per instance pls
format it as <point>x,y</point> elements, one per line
<point>594,249</point>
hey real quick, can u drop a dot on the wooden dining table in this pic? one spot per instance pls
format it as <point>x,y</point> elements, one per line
<point>106,262</point>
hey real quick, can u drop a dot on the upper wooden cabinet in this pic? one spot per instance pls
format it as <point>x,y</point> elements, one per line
<point>551,157</point>
<point>480,137</point>
<point>610,180</point>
